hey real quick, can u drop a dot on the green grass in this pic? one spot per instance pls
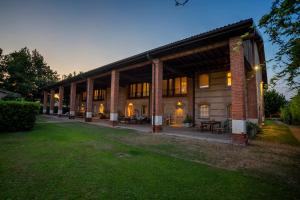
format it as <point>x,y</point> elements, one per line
<point>81,161</point>
<point>277,132</point>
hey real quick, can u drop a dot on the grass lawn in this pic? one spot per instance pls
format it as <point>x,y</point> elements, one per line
<point>81,161</point>
<point>278,132</point>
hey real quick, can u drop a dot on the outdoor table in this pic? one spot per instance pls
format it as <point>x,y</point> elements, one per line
<point>211,124</point>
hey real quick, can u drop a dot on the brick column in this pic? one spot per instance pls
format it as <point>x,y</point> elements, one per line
<point>72,100</point>
<point>252,114</point>
<point>61,100</point>
<point>156,98</point>
<point>114,92</point>
<point>89,99</point>
<point>238,91</point>
<point>52,92</point>
<point>45,102</point>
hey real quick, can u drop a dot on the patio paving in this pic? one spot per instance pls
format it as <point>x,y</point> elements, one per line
<point>181,132</point>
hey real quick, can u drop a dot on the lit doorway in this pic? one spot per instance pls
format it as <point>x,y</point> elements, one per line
<point>130,110</point>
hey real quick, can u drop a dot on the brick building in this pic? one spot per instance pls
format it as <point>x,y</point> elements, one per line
<point>217,75</point>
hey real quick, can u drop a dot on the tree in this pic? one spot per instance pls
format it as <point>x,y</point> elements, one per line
<point>282,24</point>
<point>25,73</point>
<point>70,75</point>
<point>273,101</point>
<point>43,73</point>
<point>290,113</point>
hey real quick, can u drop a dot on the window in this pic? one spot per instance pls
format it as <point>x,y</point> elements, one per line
<point>228,78</point>
<point>175,87</point>
<point>204,111</point>
<point>203,81</point>
<point>165,87</point>
<point>183,85</point>
<point>84,96</point>
<point>99,94</point>
<point>146,88</point>
<point>229,111</point>
<point>138,90</point>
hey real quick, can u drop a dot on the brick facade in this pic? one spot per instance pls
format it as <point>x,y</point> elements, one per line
<point>89,99</point>
<point>61,100</point>
<point>234,58</point>
<point>157,108</point>
<point>114,97</point>
<point>238,89</point>
<point>252,111</point>
<point>72,100</point>
<point>52,93</point>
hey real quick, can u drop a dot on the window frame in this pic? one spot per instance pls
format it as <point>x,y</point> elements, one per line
<point>133,90</point>
<point>226,76</point>
<point>101,94</point>
<point>199,109</point>
<point>199,85</point>
<point>170,91</point>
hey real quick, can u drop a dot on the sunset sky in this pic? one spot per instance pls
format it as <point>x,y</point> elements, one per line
<point>81,35</point>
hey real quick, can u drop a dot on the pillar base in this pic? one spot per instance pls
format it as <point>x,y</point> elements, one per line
<point>87,119</point>
<point>239,139</point>
<point>156,128</point>
<point>113,123</point>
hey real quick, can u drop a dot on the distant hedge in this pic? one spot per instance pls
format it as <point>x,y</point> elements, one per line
<point>17,115</point>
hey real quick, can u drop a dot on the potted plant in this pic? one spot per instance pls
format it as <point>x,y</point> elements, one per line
<point>188,121</point>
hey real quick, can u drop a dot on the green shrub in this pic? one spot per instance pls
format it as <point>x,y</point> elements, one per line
<point>295,109</point>
<point>290,114</point>
<point>17,115</point>
<point>252,129</point>
<point>285,114</point>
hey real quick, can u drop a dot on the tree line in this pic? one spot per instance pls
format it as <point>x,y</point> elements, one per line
<point>25,72</point>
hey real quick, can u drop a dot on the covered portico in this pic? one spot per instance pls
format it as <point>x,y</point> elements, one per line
<point>205,77</point>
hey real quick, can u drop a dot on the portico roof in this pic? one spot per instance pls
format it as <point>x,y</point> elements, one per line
<point>213,36</point>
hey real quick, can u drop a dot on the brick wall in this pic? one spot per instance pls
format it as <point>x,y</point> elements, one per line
<point>238,88</point>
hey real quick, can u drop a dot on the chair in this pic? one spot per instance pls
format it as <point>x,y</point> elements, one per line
<point>204,127</point>
<point>225,127</point>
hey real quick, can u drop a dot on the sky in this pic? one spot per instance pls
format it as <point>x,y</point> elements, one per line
<point>75,35</point>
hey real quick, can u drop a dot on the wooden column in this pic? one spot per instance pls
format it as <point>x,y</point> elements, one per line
<point>61,100</point>
<point>89,99</point>
<point>45,102</point>
<point>114,92</point>
<point>72,100</point>
<point>52,92</point>
<point>238,91</point>
<point>156,99</point>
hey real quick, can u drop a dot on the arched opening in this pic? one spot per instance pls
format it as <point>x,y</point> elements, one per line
<point>130,110</point>
<point>101,108</point>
